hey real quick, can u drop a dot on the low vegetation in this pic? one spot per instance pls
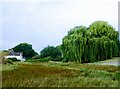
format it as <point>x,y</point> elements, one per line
<point>60,75</point>
<point>45,59</point>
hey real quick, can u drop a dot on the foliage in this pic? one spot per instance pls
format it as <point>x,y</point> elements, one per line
<point>36,57</point>
<point>45,59</point>
<point>13,59</point>
<point>26,48</point>
<point>50,51</point>
<point>57,59</point>
<point>96,43</point>
<point>30,60</point>
<point>9,61</point>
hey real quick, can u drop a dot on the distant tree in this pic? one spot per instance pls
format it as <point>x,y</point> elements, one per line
<point>26,48</point>
<point>50,51</point>
<point>59,48</point>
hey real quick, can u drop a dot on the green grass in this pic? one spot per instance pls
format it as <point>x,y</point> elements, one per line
<point>40,74</point>
<point>38,60</point>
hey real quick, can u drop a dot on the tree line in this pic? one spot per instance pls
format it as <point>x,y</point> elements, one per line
<point>99,41</point>
<point>49,52</point>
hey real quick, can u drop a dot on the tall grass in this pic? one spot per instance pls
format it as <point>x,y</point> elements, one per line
<point>60,75</point>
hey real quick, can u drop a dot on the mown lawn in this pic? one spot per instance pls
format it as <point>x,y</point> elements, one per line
<point>60,75</point>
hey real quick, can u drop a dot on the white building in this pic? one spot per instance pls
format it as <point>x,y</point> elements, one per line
<point>18,55</point>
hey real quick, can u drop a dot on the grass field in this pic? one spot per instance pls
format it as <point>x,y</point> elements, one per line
<point>51,74</point>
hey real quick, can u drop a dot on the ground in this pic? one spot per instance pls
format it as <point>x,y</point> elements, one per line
<point>114,62</point>
<point>56,74</point>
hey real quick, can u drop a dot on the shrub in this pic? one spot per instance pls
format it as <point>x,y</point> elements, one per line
<point>30,60</point>
<point>36,57</point>
<point>13,59</point>
<point>50,51</point>
<point>57,59</point>
<point>9,61</point>
<point>45,59</point>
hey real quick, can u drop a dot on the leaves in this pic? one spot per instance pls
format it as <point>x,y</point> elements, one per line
<point>51,51</point>
<point>98,42</point>
<point>26,48</point>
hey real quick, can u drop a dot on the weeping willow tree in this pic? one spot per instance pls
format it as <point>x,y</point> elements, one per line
<point>97,42</point>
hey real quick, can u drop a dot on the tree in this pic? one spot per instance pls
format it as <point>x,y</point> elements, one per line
<point>97,42</point>
<point>101,28</point>
<point>73,45</point>
<point>26,48</point>
<point>50,51</point>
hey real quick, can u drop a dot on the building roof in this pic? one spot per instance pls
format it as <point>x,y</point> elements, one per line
<point>15,53</point>
<point>11,52</point>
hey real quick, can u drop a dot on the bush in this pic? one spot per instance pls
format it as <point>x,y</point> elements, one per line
<point>45,59</point>
<point>9,61</point>
<point>57,59</point>
<point>36,57</point>
<point>30,60</point>
<point>13,59</point>
<point>50,51</point>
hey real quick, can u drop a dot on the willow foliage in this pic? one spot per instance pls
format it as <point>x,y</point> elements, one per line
<point>97,42</point>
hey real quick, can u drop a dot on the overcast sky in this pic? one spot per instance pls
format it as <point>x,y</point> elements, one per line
<point>46,22</point>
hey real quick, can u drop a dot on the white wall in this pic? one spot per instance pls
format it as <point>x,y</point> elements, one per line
<point>13,56</point>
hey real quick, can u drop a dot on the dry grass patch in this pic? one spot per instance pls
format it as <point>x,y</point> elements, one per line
<point>60,75</point>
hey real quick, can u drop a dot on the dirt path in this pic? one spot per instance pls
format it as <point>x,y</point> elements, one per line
<point>114,61</point>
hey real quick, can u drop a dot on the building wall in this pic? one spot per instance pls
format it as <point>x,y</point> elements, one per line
<point>21,56</point>
<point>13,56</point>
